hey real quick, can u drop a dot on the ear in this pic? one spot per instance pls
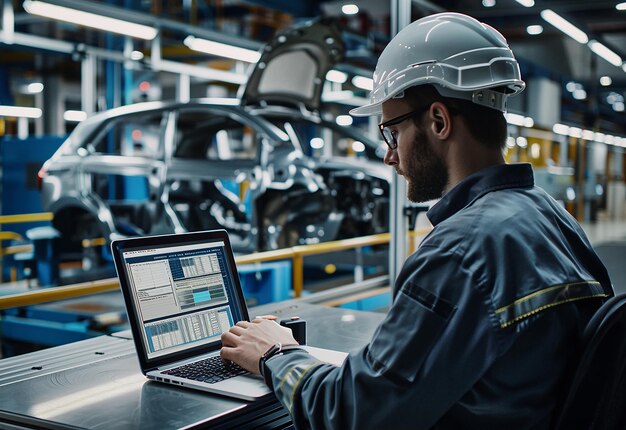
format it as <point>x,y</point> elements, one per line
<point>440,120</point>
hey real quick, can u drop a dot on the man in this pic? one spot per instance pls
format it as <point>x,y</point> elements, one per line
<point>488,312</point>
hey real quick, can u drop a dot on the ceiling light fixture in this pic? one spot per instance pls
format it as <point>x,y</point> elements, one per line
<point>514,119</point>
<point>336,76</point>
<point>526,3</point>
<point>136,55</point>
<point>88,19</point>
<point>363,83</point>
<point>519,120</point>
<point>74,115</point>
<point>222,50</point>
<point>34,88</point>
<point>317,143</point>
<point>621,6</point>
<point>575,132</point>
<point>349,9</point>
<point>605,53</point>
<point>560,129</point>
<point>564,25</point>
<point>344,120</point>
<point>20,112</point>
<point>614,97</point>
<point>605,81</point>
<point>588,134</point>
<point>358,146</point>
<point>489,3</point>
<point>534,29</point>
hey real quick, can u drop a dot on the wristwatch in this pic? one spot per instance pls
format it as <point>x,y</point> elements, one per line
<point>274,350</point>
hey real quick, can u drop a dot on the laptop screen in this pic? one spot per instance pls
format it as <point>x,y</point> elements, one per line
<point>184,294</point>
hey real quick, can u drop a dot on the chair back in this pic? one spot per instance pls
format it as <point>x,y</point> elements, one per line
<point>597,397</point>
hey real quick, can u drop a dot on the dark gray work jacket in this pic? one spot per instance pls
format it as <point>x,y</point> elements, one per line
<point>484,327</point>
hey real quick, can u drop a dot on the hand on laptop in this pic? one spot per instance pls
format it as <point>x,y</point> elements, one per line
<point>246,341</point>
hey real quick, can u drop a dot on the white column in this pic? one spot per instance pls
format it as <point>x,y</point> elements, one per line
<point>183,88</point>
<point>88,84</point>
<point>22,128</point>
<point>400,18</point>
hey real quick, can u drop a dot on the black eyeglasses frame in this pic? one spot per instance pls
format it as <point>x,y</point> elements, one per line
<point>388,135</point>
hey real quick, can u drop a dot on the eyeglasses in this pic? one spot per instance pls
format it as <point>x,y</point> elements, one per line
<point>388,136</point>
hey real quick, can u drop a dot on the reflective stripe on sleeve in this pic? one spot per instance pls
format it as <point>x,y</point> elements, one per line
<point>547,298</point>
<point>291,379</point>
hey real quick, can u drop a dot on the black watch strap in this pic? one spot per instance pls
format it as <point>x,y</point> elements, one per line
<point>273,351</point>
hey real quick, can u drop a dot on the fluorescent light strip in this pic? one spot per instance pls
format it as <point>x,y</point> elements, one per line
<point>20,112</point>
<point>222,49</point>
<point>74,115</point>
<point>514,119</point>
<point>533,30</point>
<point>358,146</point>
<point>317,143</point>
<point>565,26</point>
<point>363,83</point>
<point>88,19</point>
<point>526,3</point>
<point>605,53</point>
<point>605,81</point>
<point>588,134</point>
<point>577,132</point>
<point>344,120</point>
<point>519,120</point>
<point>621,6</point>
<point>350,9</point>
<point>560,129</point>
<point>336,76</point>
<point>34,88</point>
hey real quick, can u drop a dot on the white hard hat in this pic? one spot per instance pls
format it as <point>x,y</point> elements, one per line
<point>460,56</point>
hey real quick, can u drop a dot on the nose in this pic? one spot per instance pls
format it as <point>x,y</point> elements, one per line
<point>391,157</point>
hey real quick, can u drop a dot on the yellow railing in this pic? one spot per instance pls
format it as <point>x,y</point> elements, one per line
<point>52,294</point>
<point>296,253</point>
<point>9,235</point>
<point>14,219</point>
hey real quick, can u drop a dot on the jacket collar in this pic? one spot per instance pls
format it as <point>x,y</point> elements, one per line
<point>493,178</point>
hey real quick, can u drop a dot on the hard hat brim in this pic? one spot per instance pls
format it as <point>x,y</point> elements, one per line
<point>369,109</point>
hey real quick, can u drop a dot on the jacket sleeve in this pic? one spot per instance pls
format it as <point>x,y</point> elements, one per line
<point>436,341</point>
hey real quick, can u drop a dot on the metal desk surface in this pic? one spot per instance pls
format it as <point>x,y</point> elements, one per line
<point>97,384</point>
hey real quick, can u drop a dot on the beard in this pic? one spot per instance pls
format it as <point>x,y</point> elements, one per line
<point>425,172</point>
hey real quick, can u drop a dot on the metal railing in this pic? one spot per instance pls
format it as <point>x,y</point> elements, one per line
<point>10,235</point>
<point>14,219</point>
<point>296,254</point>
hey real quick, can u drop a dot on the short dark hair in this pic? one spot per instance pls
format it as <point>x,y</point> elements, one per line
<point>486,125</point>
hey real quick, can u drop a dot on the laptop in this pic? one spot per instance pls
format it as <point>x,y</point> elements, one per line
<point>182,291</point>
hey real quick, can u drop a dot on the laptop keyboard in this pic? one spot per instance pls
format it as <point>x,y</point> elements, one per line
<point>210,370</point>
